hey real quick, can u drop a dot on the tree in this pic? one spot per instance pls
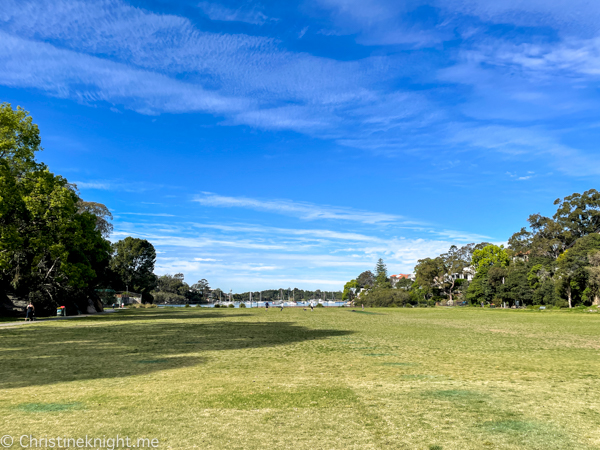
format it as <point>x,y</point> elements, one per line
<point>171,289</point>
<point>455,261</point>
<point>350,289</point>
<point>133,264</point>
<point>216,293</point>
<point>380,269</point>
<point>578,215</point>
<point>366,279</point>
<point>50,249</point>
<point>572,268</point>
<point>404,284</point>
<point>594,274</point>
<point>102,214</point>
<point>490,255</point>
<point>428,275</point>
<point>19,140</point>
<point>202,288</point>
<point>381,279</point>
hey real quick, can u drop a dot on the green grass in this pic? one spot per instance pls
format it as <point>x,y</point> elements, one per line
<point>432,378</point>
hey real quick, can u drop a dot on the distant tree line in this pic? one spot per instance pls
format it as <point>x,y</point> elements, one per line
<point>271,295</point>
<point>555,261</point>
<point>174,290</point>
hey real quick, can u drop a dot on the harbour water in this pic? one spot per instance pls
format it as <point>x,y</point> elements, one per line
<point>299,304</point>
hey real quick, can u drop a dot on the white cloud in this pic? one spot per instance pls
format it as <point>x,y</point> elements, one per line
<point>529,143</point>
<point>147,214</point>
<point>93,185</point>
<point>326,234</point>
<point>303,210</point>
<point>219,12</point>
<point>569,16</point>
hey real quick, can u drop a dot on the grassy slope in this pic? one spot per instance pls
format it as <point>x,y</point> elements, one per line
<point>251,379</point>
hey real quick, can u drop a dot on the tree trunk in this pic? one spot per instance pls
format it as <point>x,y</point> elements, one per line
<point>569,297</point>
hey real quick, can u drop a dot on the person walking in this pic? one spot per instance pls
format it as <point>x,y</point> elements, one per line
<point>29,312</point>
<point>281,306</point>
<point>267,306</point>
<point>312,306</point>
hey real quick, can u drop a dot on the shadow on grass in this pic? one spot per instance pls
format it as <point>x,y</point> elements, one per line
<point>167,314</point>
<point>111,347</point>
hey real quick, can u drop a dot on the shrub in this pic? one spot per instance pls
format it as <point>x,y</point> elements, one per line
<point>231,305</point>
<point>187,305</point>
<point>242,305</point>
<point>319,305</point>
<point>149,305</point>
<point>217,305</point>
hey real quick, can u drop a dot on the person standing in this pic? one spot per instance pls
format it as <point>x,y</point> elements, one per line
<point>29,312</point>
<point>312,306</point>
<point>267,306</point>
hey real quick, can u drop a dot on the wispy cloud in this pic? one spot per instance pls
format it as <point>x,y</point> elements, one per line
<point>319,234</point>
<point>306,211</point>
<point>93,185</point>
<point>216,11</point>
<point>146,214</point>
<point>117,185</point>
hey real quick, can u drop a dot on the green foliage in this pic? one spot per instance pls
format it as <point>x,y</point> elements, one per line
<point>573,270</point>
<point>133,265</point>
<point>231,305</point>
<point>490,255</point>
<point>366,279</point>
<point>319,305</point>
<point>386,297</point>
<point>350,289</point>
<point>242,305</point>
<point>19,140</point>
<point>51,250</point>
<point>380,269</point>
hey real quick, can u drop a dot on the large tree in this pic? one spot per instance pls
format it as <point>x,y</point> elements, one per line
<point>577,215</point>
<point>202,288</point>
<point>51,250</point>
<point>350,290</point>
<point>133,265</point>
<point>366,279</point>
<point>573,268</point>
<point>490,255</point>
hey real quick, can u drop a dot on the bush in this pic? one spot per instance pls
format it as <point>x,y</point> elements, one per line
<point>149,305</point>
<point>231,305</point>
<point>387,297</point>
<point>187,305</point>
<point>319,305</point>
<point>217,305</point>
<point>242,305</point>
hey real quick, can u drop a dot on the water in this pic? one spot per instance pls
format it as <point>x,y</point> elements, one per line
<point>304,304</point>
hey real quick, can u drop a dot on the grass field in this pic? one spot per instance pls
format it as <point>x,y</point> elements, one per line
<point>330,379</point>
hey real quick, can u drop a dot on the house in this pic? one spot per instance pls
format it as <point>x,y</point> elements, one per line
<point>467,274</point>
<point>395,278</point>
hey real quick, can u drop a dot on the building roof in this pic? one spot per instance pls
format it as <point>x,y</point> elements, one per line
<point>401,275</point>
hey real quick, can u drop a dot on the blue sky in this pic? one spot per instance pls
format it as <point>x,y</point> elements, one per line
<point>276,144</point>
